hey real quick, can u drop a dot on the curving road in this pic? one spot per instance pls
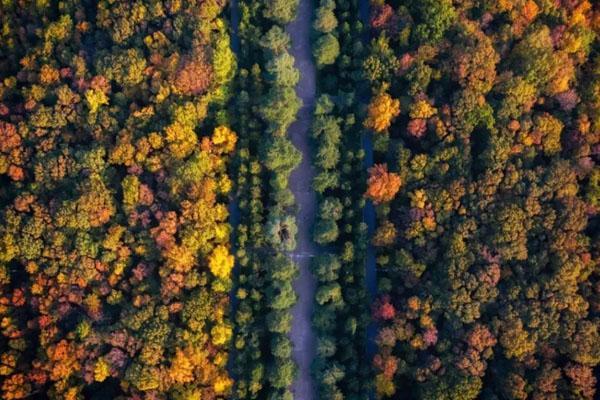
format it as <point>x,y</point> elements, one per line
<point>301,185</point>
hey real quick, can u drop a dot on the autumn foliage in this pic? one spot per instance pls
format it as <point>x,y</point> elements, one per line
<point>382,110</point>
<point>382,185</point>
<point>487,259</point>
<point>115,261</point>
<point>194,75</point>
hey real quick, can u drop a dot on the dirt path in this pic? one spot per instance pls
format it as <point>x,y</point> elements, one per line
<point>301,185</point>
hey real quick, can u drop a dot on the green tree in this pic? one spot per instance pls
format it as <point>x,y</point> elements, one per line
<point>326,50</point>
<point>281,11</point>
<point>279,109</point>
<point>276,40</point>
<point>326,267</point>
<point>282,157</point>
<point>281,232</point>
<point>325,20</point>
<point>331,208</point>
<point>326,231</point>
<point>436,16</point>
<point>281,295</point>
<point>329,293</point>
<point>279,321</point>
<point>281,70</point>
<point>125,67</point>
<point>281,346</point>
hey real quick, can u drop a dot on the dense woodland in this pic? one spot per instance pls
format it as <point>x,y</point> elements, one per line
<point>114,243</point>
<point>486,125</point>
<point>147,226</point>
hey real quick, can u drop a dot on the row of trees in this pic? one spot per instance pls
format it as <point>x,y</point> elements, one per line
<point>266,105</point>
<point>341,368</point>
<point>114,247</point>
<point>486,123</point>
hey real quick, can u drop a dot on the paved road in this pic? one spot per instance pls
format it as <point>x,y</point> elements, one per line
<point>301,185</point>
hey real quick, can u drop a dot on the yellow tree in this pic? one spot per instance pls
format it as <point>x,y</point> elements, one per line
<point>381,112</point>
<point>516,341</point>
<point>385,235</point>
<point>181,140</point>
<point>182,368</point>
<point>221,262</point>
<point>224,139</point>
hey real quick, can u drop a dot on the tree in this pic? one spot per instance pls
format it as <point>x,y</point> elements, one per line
<point>15,387</point>
<point>194,75</point>
<point>326,267</point>
<point>282,374</point>
<point>331,208</point>
<point>382,185</point>
<point>281,232</point>
<point>474,60</point>
<point>325,231</point>
<point>221,262</point>
<point>381,112</point>
<point>437,17</point>
<point>451,385</point>
<point>281,295</point>
<point>329,293</point>
<point>593,189</point>
<point>223,60</point>
<point>281,346</point>
<point>182,369</point>
<point>326,50</point>
<point>325,20</point>
<point>281,11</point>
<point>583,379</point>
<point>326,180</point>
<point>224,139</point>
<point>181,140</point>
<point>281,70</point>
<point>95,99</point>
<point>326,346</point>
<point>276,40</point>
<point>131,192</point>
<point>125,67</point>
<point>279,321</point>
<point>551,129</point>
<point>417,127</point>
<point>381,63</point>
<point>384,386</point>
<point>584,346</point>
<point>510,233</point>
<point>221,334</point>
<point>282,268</point>
<point>279,109</point>
<point>282,157</point>
<point>515,340</point>
<point>385,235</point>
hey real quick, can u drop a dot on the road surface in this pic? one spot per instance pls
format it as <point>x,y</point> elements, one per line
<point>302,334</point>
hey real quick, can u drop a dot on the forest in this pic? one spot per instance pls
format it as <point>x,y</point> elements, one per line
<point>153,209</point>
<point>485,120</point>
